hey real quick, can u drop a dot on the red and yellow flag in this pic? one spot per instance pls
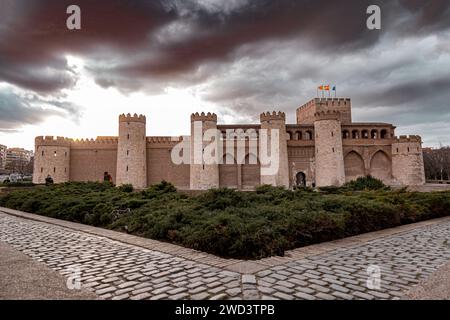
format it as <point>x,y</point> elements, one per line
<point>326,88</point>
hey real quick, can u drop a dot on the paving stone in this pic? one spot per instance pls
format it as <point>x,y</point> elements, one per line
<point>362,295</point>
<point>325,296</point>
<point>304,296</point>
<point>283,296</point>
<point>200,296</point>
<point>105,290</point>
<point>248,278</point>
<point>141,296</point>
<point>234,291</point>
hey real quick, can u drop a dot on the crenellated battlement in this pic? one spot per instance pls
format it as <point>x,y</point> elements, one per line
<point>327,102</point>
<point>52,141</point>
<point>132,118</point>
<point>203,117</point>
<point>327,115</point>
<point>407,139</point>
<point>163,140</point>
<point>98,141</point>
<point>274,115</point>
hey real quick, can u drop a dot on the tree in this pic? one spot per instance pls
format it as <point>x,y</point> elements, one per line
<point>437,163</point>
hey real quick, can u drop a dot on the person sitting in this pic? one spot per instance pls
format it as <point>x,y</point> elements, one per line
<point>105,176</point>
<point>48,180</point>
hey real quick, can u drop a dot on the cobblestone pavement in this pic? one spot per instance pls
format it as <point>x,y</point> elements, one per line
<point>115,270</point>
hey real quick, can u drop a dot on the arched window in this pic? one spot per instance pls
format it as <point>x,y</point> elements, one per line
<point>383,134</point>
<point>298,135</point>
<point>365,134</point>
<point>374,134</point>
<point>355,134</point>
<point>288,135</point>
<point>345,134</point>
<point>308,135</point>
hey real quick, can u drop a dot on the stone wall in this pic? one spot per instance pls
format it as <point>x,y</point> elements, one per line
<point>329,164</point>
<point>52,157</point>
<point>407,161</point>
<point>132,151</point>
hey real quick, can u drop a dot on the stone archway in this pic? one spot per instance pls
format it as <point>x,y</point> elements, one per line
<point>300,179</point>
<point>381,166</point>
<point>354,166</point>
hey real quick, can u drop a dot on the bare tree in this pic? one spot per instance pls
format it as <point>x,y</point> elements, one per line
<point>437,163</point>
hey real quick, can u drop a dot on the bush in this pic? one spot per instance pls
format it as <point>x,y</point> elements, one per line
<point>233,223</point>
<point>366,183</point>
<point>126,188</point>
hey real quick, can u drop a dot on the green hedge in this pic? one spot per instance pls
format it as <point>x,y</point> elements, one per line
<point>232,223</point>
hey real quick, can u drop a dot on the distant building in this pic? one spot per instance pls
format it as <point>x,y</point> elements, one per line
<point>3,156</point>
<point>325,147</point>
<point>18,154</point>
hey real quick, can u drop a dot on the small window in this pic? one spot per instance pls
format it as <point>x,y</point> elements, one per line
<point>128,136</point>
<point>65,154</point>
<point>128,152</point>
<point>332,133</point>
<point>54,169</point>
<point>42,152</point>
<point>65,169</point>
<point>54,153</point>
<point>397,150</point>
<point>127,168</point>
<point>42,170</point>
<point>408,149</point>
<point>333,149</point>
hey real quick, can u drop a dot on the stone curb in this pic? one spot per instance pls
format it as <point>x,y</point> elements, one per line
<point>234,265</point>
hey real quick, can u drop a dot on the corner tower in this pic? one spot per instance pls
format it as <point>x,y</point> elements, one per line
<point>131,151</point>
<point>274,124</point>
<point>52,157</point>
<point>329,153</point>
<point>203,174</point>
<point>407,160</point>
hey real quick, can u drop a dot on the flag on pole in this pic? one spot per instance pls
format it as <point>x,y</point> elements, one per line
<point>335,91</point>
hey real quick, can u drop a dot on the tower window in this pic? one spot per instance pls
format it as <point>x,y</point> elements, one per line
<point>65,154</point>
<point>42,152</point>
<point>54,169</point>
<point>128,136</point>
<point>408,149</point>
<point>333,149</point>
<point>54,153</point>
<point>397,150</point>
<point>127,168</point>
<point>332,134</point>
<point>128,152</point>
<point>42,170</point>
<point>65,169</point>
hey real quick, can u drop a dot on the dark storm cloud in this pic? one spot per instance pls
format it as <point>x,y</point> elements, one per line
<point>19,109</point>
<point>152,39</point>
<point>244,55</point>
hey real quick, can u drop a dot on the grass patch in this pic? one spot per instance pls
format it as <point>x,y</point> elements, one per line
<point>232,223</point>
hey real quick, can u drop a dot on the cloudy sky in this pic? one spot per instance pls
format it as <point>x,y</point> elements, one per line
<point>167,59</point>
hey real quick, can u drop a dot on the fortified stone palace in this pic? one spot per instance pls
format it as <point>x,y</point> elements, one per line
<point>323,148</point>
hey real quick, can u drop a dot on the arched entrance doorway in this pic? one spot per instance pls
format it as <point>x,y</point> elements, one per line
<point>300,179</point>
